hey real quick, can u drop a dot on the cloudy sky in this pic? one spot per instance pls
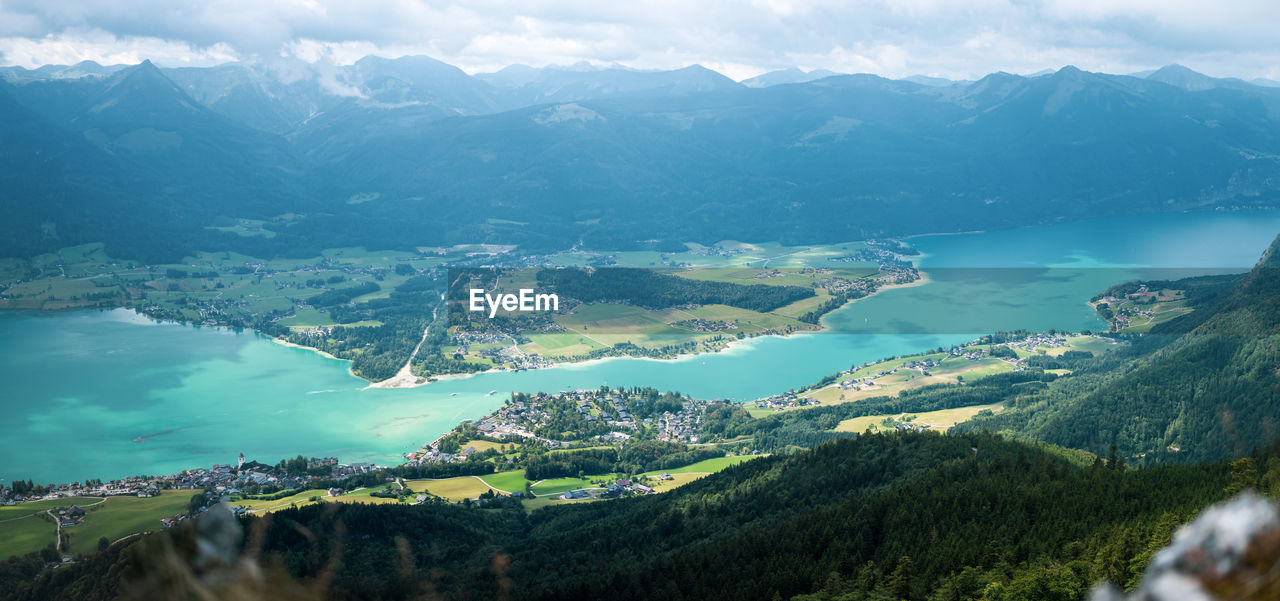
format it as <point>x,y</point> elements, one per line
<point>958,39</point>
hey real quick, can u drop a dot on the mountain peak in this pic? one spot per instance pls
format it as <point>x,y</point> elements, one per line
<point>1182,77</point>
<point>1176,68</point>
<point>143,71</point>
<point>143,92</point>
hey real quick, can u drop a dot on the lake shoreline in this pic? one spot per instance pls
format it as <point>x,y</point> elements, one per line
<point>395,382</point>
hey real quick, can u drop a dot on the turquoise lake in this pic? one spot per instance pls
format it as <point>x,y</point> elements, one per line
<point>109,394</point>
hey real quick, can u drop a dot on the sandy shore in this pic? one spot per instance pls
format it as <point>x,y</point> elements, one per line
<point>922,280</point>
<point>316,351</point>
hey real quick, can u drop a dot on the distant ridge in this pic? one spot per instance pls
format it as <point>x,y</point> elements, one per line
<point>785,76</point>
<point>617,158</point>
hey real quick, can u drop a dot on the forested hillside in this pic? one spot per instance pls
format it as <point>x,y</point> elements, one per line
<point>1202,387</point>
<point>893,516</point>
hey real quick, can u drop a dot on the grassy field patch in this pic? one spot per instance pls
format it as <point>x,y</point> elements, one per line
<point>934,420</point>
<point>556,486</point>
<point>454,489</point>
<point>25,534</point>
<point>119,517</point>
<point>512,481</point>
<point>706,466</point>
<point>677,480</point>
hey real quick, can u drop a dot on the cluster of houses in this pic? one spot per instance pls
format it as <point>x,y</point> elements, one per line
<point>897,275</point>
<point>70,516</point>
<point>220,479</point>
<point>717,251</point>
<point>508,354</point>
<point>705,325</point>
<point>788,400</point>
<point>684,426</point>
<point>1037,340</point>
<point>512,357</point>
<point>894,269</point>
<point>618,489</point>
<point>464,337</point>
<point>518,419</point>
<point>878,255</point>
<point>1124,309</point>
<point>842,285</point>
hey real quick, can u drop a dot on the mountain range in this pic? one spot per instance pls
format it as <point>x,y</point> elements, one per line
<point>412,151</point>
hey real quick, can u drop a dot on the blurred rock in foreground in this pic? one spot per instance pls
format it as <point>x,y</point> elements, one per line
<point>1230,553</point>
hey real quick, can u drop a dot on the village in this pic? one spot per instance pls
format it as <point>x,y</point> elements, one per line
<point>586,417</point>
<point>244,478</point>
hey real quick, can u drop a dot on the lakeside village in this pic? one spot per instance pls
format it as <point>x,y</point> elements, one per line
<point>527,425</point>
<point>570,419</point>
<point>219,482</point>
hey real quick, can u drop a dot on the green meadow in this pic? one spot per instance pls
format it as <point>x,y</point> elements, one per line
<point>511,481</point>
<point>25,534</point>
<point>119,517</point>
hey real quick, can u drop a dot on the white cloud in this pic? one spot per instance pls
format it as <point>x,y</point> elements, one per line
<point>890,37</point>
<point>71,47</point>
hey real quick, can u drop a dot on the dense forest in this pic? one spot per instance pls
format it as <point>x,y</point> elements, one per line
<point>898,516</point>
<point>657,290</point>
<point>642,456</point>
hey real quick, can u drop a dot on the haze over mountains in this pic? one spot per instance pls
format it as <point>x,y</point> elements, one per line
<point>412,151</point>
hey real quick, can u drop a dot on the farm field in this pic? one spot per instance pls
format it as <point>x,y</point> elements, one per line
<point>23,529</point>
<point>677,480</point>
<point>600,325</point>
<point>531,505</point>
<point>119,517</point>
<point>1138,313</point>
<point>1092,344</point>
<point>935,420</point>
<point>21,509</point>
<point>949,370</point>
<point>25,534</point>
<point>555,486</point>
<point>705,466</point>
<point>775,276</point>
<point>482,445</point>
<point>262,506</point>
<point>363,495</point>
<point>511,481</point>
<point>453,489</point>
<point>84,276</point>
<point>597,326</point>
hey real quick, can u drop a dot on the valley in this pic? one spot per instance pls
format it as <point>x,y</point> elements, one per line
<point>805,336</point>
